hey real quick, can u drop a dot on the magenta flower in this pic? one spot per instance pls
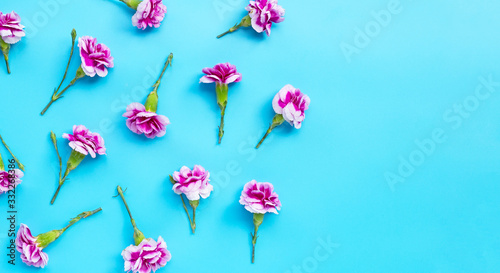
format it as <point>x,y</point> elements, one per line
<point>264,13</point>
<point>31,247</point>
<point>144,122</point>
<point>150,13</point>
<point>11,32</point>
<point>95,59</point>
<point>259,199</point>
<point>148,256</point>
<point>31,253</point>
<point>194,184</point>
<point>261,16</point>
<point>290,105</point>
<point>142,119</point>
<point>83,142</point>
<point>10,181</point>
<point>222,75</point>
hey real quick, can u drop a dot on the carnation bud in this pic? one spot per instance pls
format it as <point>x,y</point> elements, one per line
<point>46,238</point>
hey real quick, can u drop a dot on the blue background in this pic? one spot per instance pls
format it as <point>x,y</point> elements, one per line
<point>368,109</point>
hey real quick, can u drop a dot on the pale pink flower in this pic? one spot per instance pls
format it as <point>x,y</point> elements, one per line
<point>193,183</point>
<point>95,57</point>
<point>264,13</point>
<point>8,183</point>
<point>11,30</point>
<point>291,103</point>
<point>141,121</point>
<point>148,256</point>
<point>260,198</point>
<point>223,73</point>
<point>86,142</point>
<point>31,253</point>
<point>150,13</point>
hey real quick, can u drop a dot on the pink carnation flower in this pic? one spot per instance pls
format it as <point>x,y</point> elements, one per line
<point>193,183</point>
<point>224,73</point>
<point>95,57</point>
<point>149,13</point>
<point>31,253</point>
<point>5,180</point>
<point>292,104</point>
<point>85,142</point>
<point>141,121</point>
<point>259,198</point>
<point>11,29</point>
<point>264,13</point>
<point>148,256</point>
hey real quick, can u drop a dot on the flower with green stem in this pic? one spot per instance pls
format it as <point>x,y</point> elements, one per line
<point>11,32</point>
<point>31,247</point>
<point>222,75</point>
<point>83,142</point>
<point>195,185</point>
<point>146,254</point>
<point>95,59</point>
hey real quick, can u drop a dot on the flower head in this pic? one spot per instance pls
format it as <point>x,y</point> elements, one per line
<point>193,183</point>
<point>149,13</point>
<point>141,121</point>
<point>259,198</point>
<point>291,103</point>
<point>223,73</point>
<point>7,183</point>
<point>85,142</point>
<point>31,252</point>
<point>264,13</point>
<point>95,57</point>
<point>148,256</point>
<point>11,29</point>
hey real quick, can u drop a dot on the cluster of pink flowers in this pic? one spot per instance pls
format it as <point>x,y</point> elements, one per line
<point>148,256</point>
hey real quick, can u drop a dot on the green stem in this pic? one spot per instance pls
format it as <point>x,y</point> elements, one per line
<point>58,96</point>
<point>168,62</point>
<point>80,217</point>
<point>54,141</point>
<point>2,166</point>
<point>73,38</point>
<point>254,241</point>
<point>221,127</point>
<point>187,212</point>
<point>152,99</point>
<point>138,235</point>
<point>6,57</point>
<point>245,22</point>
<point>21,166</point>
<point>61,182</point>
<point>264,137</point>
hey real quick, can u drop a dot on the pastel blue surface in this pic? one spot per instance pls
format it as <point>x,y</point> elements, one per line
<point>395,168</point>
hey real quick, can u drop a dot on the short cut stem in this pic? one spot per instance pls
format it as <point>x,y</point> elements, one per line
<point>7,62</point>
<point>21,166</point>
<point>80,217</point>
